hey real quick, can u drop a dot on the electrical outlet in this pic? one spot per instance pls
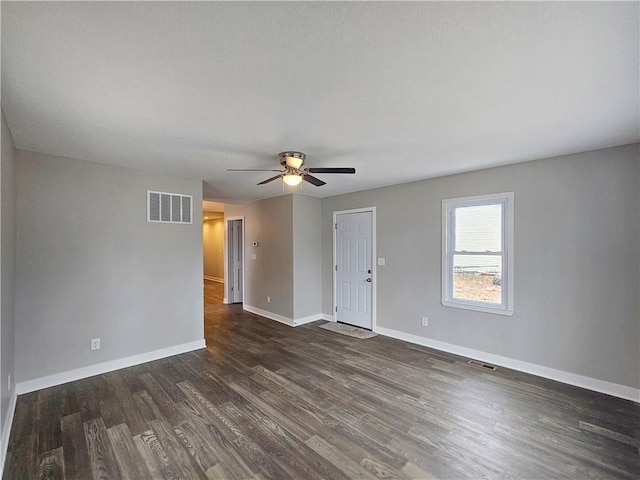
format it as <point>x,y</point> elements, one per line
<point>268,299</point>
<point>425,321</point>
<point>95,344</point>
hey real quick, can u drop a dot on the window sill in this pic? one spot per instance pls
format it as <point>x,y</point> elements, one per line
<point>478,308</point>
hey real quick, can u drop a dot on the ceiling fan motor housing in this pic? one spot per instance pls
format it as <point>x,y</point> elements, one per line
<point>293,160</point>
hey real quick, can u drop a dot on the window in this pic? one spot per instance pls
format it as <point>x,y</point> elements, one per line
<point>477,253</point>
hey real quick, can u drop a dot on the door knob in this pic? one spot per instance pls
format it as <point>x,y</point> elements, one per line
<point>369,279</point>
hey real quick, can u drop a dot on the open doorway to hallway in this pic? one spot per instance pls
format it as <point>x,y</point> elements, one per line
<point>213,244</point>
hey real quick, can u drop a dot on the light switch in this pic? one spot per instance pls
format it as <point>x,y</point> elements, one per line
<point>253,256</point>
<point>381,261</point>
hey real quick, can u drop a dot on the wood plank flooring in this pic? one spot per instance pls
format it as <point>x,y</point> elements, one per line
<point>268,401</point>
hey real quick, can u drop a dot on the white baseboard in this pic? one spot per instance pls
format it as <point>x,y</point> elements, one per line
<point>100,368</point>
<point>286,320</point>
<point>214,279</point>
<point>6,430</point>
<point>326,316</point>
<point>269,315</point>
<point>225,301</point>
<point>602,386</point>
<point>308,319</point>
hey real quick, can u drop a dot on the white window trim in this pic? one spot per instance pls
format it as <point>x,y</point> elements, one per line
<point>507,267</point>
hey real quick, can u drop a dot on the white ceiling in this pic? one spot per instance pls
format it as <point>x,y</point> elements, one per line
<point>401,91</point>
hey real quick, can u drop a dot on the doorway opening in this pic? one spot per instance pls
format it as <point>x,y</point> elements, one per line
<point>213,241</point>
<point>354,273</point>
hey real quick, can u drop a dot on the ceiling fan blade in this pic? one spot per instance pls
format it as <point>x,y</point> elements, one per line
<point>313,180</point>
<point>251,170</point>
<point>270,179</point>
<point>332,170</point>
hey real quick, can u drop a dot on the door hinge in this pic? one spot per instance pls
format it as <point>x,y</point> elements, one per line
<point>335,226</point>
<point>232,289</point>
<point>336,309</point>
<point>336,268</point>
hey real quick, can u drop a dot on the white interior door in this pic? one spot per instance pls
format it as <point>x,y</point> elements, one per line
<point>354,269</point>
<point>235,261</point>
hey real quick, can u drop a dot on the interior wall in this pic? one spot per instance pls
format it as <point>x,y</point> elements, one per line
<point>270,274</point>
<point>89,265</point>
<point>213,248</point>
<point>7,267</point>
<point>307,255</point>
<point>577,268</point>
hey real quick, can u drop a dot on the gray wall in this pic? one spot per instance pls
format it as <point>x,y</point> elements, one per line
<point>89,265</point>
<point>7,266</point>
<point>213,247</point>
<point>307,254</point>
<point>576,262</point>
<point>269,222</point>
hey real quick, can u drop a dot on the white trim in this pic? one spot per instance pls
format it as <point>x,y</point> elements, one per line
<point>477,308</point>
<point>269,315</point>
<point>308,319</point>
<point>6,430</point>
<point>225,301</point>
<point>100,368</point>
<point>374,262</point>
<point>602,386</point>
<point>214,279</point>
<point>507,254</point>
<point>286,320</point>
<point>329,318</point>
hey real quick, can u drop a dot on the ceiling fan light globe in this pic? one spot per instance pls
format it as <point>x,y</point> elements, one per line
<point>292,179</point>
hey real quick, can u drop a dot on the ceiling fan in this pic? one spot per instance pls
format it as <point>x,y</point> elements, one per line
<point>293,173</point>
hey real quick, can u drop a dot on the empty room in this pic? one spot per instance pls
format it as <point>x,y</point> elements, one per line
<point>320,240</point>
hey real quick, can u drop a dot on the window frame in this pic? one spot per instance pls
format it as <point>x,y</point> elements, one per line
<point>448,242</point>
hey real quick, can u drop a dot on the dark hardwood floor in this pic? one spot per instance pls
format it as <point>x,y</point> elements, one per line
<point>269,401</point>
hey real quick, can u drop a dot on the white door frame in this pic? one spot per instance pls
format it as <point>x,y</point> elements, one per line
<point>227,283</point>
<point>374,263</point>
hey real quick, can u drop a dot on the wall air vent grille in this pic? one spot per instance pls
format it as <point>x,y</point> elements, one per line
<point>165,207</point>
<point>186,209</point>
